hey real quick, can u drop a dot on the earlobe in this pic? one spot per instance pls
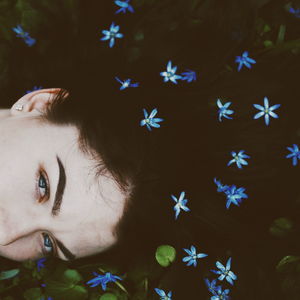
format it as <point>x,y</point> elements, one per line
<point>35,102</point>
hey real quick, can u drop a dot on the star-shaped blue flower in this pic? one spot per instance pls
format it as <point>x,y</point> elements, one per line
<point>295,154</point>
<point>295,12</point>
<point>124,6</point>
<point>103,280</point>
<point>189,75</point>
<point>244,60</point>
<point>111,34</point>
<point>180,204</point>
<point>35,88</point>
<point>150,121</point>
<point>126,83</point>
<point>163,295</point>
<point>238,158</point>
<point>266,111</point>
<point>24,35</point>
<point>220,295</point>
<point>225,272</point>
<point>235,195</point>
<point>221,187</point>
<point>40,263</point>
<point>193,256</point>
<point>170,73</point>
<point>223,110</point>
<point>211,285</point>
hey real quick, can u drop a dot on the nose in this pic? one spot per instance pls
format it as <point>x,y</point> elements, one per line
<point>16,221</point>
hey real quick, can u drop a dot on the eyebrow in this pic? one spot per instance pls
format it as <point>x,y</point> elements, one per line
<point>57,204</point>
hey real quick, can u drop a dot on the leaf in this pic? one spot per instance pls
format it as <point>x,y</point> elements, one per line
<point>71,276</point>
<point>287,263</point>
<point>139,35</point>
<point>9,274</point>
<point>108,296</point>
<point>266,28</point>
<point>281,227</point>
<point>268,43</point>
<point>65,286</point>
<point>33,294</point>
<point>281,34</point>
<point>165,255</point>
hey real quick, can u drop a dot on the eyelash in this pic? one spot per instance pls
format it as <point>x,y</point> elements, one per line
<point>46,195</point>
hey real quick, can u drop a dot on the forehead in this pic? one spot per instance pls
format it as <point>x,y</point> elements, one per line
<point>92,204</point>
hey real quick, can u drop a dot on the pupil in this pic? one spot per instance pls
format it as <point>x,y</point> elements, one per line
<point>48,241</point>
<point>42,182</point>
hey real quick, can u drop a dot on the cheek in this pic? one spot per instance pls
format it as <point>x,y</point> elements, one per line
<point>22,249</point>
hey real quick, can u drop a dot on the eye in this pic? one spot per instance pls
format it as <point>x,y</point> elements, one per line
<point>49,248</point>
<point>43,186</point>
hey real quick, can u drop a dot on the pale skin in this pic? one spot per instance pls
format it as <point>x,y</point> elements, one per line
<point>32,155</point>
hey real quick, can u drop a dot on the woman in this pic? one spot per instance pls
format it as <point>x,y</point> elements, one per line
<point>56,175</point>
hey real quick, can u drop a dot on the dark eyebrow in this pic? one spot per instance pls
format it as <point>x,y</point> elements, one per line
<point>57,203</point>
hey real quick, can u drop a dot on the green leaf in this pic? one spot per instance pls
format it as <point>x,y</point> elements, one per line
<point>281,227</point>
<point>33,294</point>
<point>165,255</point>
<point>65,286</point>
<point>139,36</point>
<point>71,276</point>
<point>266,28</point>
<point>287,263</point>
<point>268,43</point>
<point>108,296</point>
<point>281,34</point>
<point>9,274</point>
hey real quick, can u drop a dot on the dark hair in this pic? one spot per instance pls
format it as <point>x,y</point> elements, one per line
<point>192,146</point>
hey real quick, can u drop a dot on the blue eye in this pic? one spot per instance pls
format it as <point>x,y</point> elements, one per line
<point>43,186</point>
<point>48,244</point>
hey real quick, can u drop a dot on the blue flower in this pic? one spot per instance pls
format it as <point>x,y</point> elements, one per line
<point>40,263</point>
<point>220,295</point>
<point>180,204</point>
<point>295,12</point>
<point>150,120</point>
<point>193,256</point>
<point>170,73</point>
<point>163,295</point>
<point>124,5</point>
<point>111,34</point>
<point>126,83</point>
<point>266,111</point>
<point>225,272</point>
<point>295,154</point>
<point>223,110</point>
<point>244,60</point>
<point>103,280</point>
<point>221,187</point>
<point>211,285</point>
<point>24,35</point>
<point>35,88</point>
<point>189,75</point>
<point>235,195</point>
<point>238,158</point>
<point>49,298</point>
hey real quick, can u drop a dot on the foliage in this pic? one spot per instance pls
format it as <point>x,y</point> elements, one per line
<point>159,24</point>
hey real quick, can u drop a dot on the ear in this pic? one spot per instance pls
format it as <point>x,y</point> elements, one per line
<point>34,102</point>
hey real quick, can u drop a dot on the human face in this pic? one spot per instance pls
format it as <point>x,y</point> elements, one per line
<point>34,154</point>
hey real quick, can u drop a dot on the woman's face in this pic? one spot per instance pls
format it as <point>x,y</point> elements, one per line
<point>50,197</point>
